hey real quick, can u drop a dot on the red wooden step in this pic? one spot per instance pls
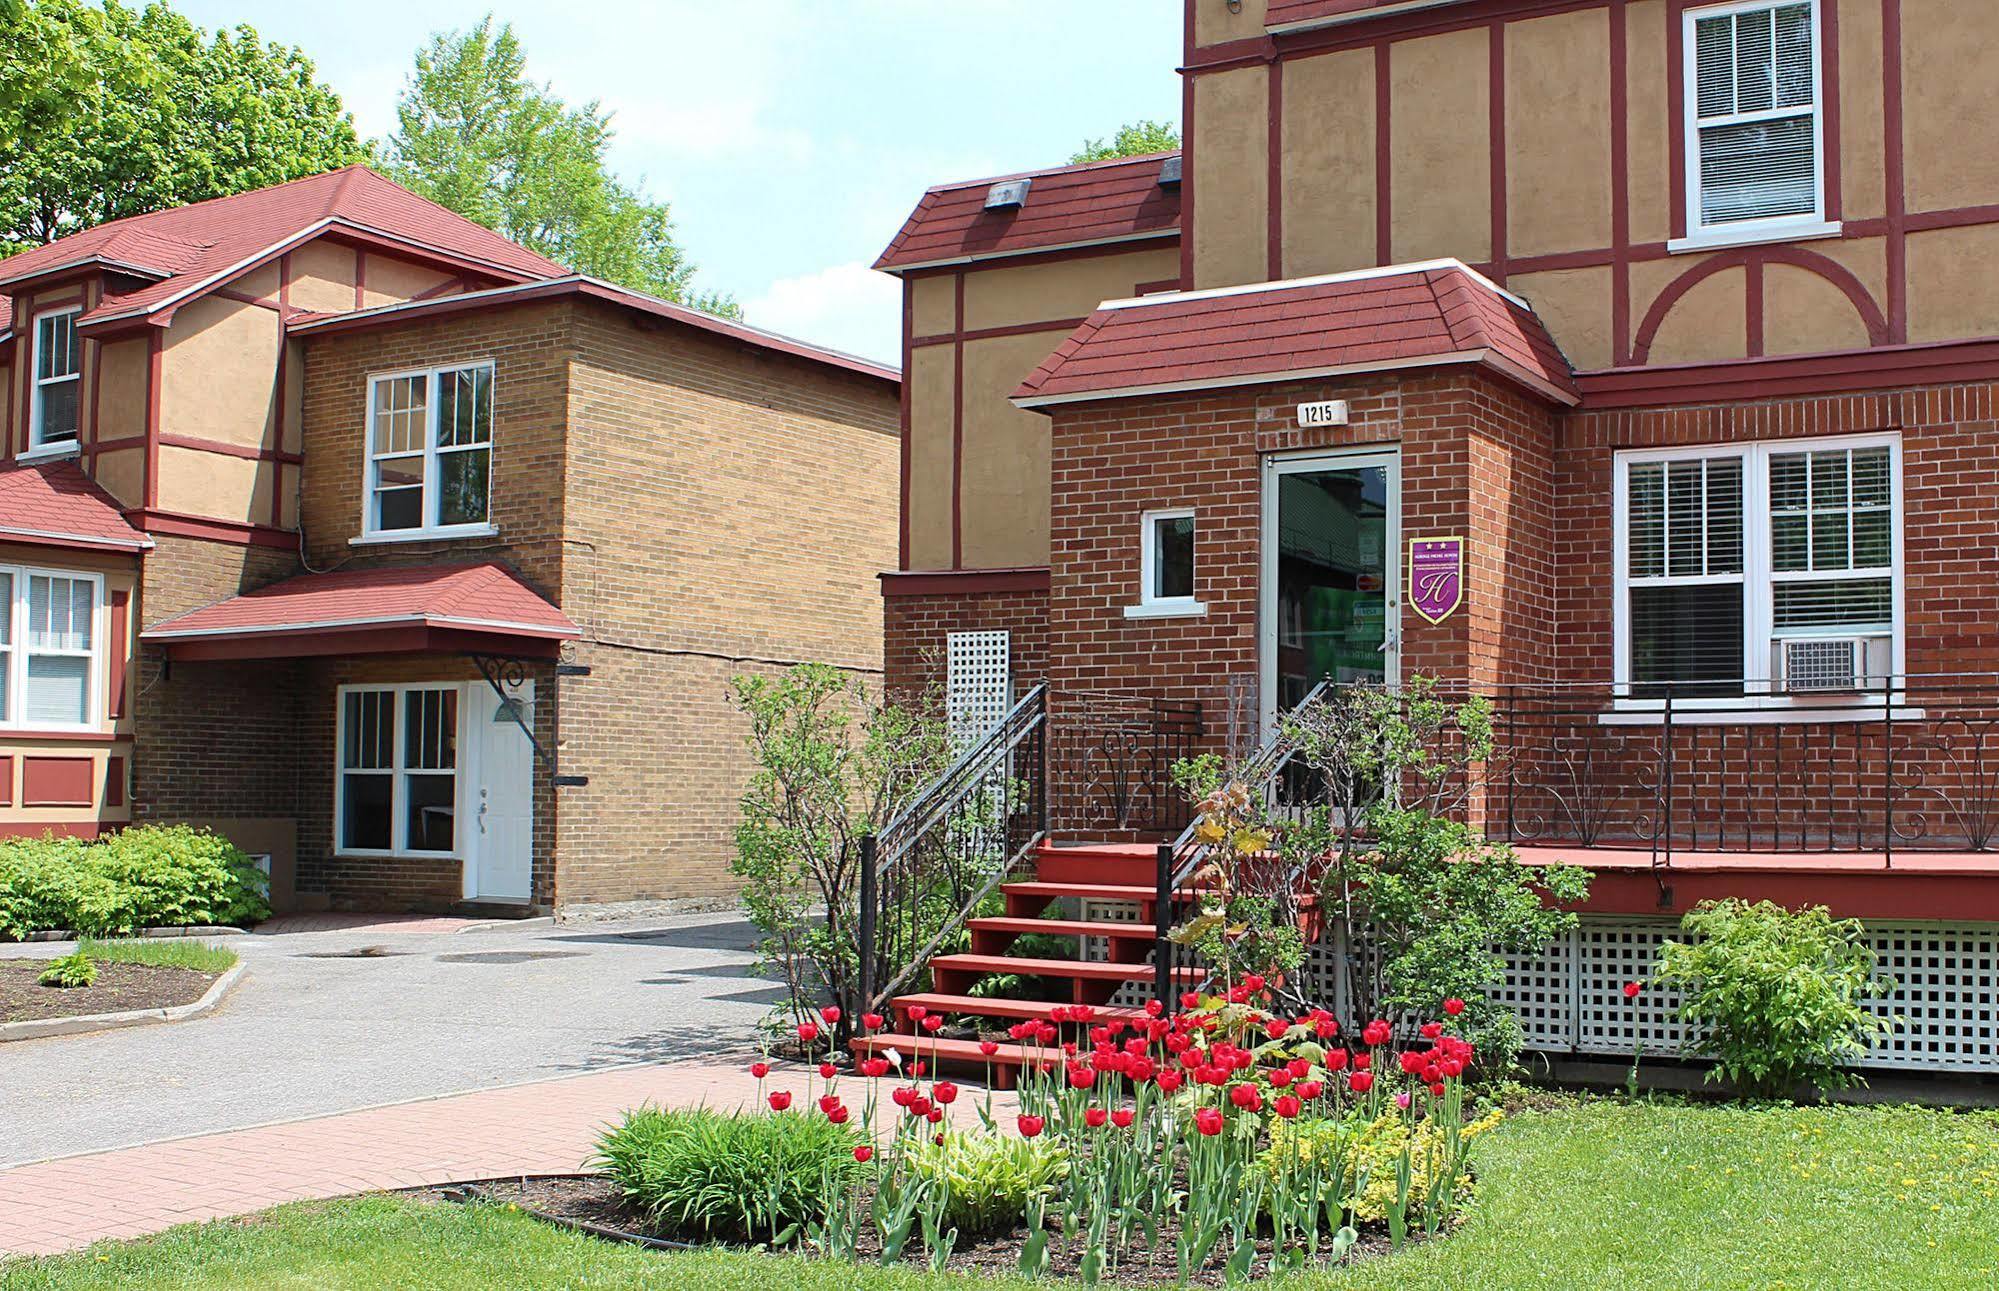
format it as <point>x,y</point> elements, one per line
<point>1086,970</point>
<point>970,1006</point>
<point>936,1050</point>
<point>990,936</point>
<point>1127,863</point>
<point>1049,891</point>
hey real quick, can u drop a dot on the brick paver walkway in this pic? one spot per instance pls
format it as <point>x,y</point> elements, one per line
<point>545,1127</point>
<point>395,924</point>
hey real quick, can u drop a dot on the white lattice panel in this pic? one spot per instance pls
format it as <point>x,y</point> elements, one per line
<point>1946,992</point>
<point>1541,991</point>
<point>1609,953</point>
<point>1132,995</point>
<point>978,686</point>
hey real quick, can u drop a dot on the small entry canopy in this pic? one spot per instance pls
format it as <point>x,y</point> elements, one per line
<point>481,608</point>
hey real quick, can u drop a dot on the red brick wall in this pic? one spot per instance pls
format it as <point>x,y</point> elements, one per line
<point>918,629</point>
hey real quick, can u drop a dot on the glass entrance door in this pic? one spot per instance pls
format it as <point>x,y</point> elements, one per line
<point>1330,591</point>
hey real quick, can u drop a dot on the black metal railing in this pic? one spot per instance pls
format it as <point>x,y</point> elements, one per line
<point>1912,767</point>
<point>925,872</point>
<point>1112,755</point>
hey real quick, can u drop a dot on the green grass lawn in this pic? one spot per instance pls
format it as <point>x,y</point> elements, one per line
<point>162,952</point>
<point>1660,1195</point>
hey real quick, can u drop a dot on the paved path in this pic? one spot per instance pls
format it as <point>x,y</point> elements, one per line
<point>360,1013</point>
<point>543,1127</point>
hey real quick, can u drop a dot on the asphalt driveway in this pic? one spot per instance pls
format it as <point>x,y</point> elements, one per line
<point>334,1020</point>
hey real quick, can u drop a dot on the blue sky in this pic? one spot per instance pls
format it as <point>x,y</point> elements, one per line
<point>792,137</point>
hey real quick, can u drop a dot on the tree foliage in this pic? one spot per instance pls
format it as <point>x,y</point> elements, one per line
<point>475,134</point>
<point>1133,140</point>
<point>115,111</point>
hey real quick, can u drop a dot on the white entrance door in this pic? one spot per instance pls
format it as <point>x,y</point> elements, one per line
<point>500,843</point>
<point>1330,599</point>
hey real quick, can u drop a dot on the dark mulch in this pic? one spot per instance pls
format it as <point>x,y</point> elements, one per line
<point>595,1201</point>
<point>119,987</point>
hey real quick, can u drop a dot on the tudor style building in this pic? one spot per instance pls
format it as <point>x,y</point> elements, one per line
<point>389,549</point>
<point>1627,361</point>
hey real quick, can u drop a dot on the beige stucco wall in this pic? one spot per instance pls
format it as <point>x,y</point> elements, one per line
<point>123,474</point>
<point>1558,133</point>
<point>1006,295</point>
<point>1214,23</point>
<point>1574,303</point>
<point>1951,275</point>
<point>386,280</point>
<point>1804,313</point>
<point>1947,93</point>
<point>1329,179</point>
<point>1005,507</point>
<point>1648,138</point>
<point>194,482</point>
<point>1709,323</point>
<point>933,304</point>
<point>1863,184</point>
<point>1440,143</point>
<point>322,277</point>
<point>218,376</point>
<point>930,457</point>
<point>121,389</point>
<point>1231,178</point>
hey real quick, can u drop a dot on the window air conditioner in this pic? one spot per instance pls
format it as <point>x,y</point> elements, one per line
<point>1822,665</point>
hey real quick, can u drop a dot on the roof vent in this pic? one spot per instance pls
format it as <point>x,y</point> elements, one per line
<point>1010,195</point>
<point>1169,172</point>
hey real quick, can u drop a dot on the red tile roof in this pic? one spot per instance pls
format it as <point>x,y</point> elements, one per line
<point>188,248</point>
<point>1101,201</point>
<point>520,293</point>
<point>1400,316</point>
<point>55,504</point>
<point>1292,14</point>
<point>486,597</point>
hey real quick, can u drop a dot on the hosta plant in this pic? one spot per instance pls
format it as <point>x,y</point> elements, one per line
<point>72,970</point>
<point>990,1177</point>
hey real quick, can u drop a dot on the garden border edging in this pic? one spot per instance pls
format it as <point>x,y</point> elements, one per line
<point>70,934</point>
<point>80,1024</point>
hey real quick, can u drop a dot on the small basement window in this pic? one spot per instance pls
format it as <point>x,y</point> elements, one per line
<point>1166,565</point>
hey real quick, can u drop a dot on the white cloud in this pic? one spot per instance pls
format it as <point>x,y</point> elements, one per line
<point>848,307</point>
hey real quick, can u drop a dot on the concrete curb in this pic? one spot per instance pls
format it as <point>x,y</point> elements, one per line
<point>38,1028</point>
<point>64,934</point>
<point>503,925</point>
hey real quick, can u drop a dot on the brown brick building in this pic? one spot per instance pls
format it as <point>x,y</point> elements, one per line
<point>1620,360</point>
<point>407,558</point>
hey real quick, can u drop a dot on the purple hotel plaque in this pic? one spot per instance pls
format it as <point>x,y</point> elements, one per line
<point>1436,576</point>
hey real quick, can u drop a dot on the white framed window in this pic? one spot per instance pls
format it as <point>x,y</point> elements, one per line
<point>51,645</point>
<point>1166,565</point>
<point>397,789</point>
<point>57,381</point>
<point>430,449</point>
<point>1755,146</point>
<point>1745,571</point>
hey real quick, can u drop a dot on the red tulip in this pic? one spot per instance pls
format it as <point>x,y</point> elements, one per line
<point>1154,1007</point>
<point>863,1153</point>
<point>872,1021</point>
<point>1276,1028</point>
<point>1254,981</point>
<point>919,1106</point>
<point>827,1102</point>
<point>1363,1061</point>
<point>1169,1080</point>
<point>935,1116</point>
<point>827,1071</point>
<point>1208,1120</point>
<point>1299,1068</point>
<point>1030,1126</point>
<point>1122,1118</point>
<point>933,1023</point>
<point>1454,1006</point>
<point>1360,1081</point>
<point>944,1092</point>
<point>1431,1030</point>
<point>1376,1033</point>
<point>1094,1117</point>
<point>988,1047</point>
<point>1631,989</point>
<point>831,1014</point>
<point>1247,1097</point>
<point>1437,1090</point>
<point>903,1095</point>
<point>779,1100</point>
<point>874,1068</point>
<point>808,1031</point>
<point>916,1068</point>
<point>916,1012</point>
<point>760,1069</point>
<point>1310,1089</point>
<point>1336,1060</point>
<point>1239,995</point>
<point>1287,1106</point>
<point>1280,1077</point>
<point>838,1115</point>
<point>1190,1000</point>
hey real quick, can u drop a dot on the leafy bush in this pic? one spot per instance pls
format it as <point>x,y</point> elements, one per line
<point>145,877</point>
<point>1774,996</point>
<point>991,1178</point>
<point>73,969</point>
<point>744,1178</point>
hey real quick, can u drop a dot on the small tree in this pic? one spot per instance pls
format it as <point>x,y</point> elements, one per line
<point>1775,995</point>
<point>833,765</point>
<point>1133,140</point>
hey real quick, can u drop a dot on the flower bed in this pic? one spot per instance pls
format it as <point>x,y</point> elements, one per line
<point>1216,1143</point>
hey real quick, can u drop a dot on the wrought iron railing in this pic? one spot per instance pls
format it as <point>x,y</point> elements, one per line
<point>1913,767</point>
<point>925,872</point>
<point>1112,754</point>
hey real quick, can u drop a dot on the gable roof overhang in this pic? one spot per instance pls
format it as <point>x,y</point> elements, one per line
<point>1429,314</point>
<point>1287,17</point>
<point>595,289</point>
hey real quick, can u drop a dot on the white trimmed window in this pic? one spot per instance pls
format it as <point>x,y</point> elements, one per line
<point>430,449</point>
<point>1755,143</point>
<point>1165,565</point>
<point>58,380</point>
<point>397,791</point>
<point>1759,571</point>
<point>49,647</point>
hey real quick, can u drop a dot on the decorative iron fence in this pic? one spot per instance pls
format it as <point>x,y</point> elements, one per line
<point>1112,756</point>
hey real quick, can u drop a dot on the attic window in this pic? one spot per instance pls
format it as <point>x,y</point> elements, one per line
<point>58,373</point>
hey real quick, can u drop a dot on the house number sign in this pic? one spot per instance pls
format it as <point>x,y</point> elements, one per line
<point>1324,412</point>
<point>1436,576</point>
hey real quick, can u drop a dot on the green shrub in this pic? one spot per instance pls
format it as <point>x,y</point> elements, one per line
<point>991,1177</point>
<point>144,877</point>
<point>1774,996</point>
<point>73,969</point>
<point>752,1177</point>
